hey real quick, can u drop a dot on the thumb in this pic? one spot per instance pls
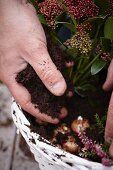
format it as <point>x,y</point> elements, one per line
<point>109,122</point>
<point>109,80</point>
<point>41,62</point>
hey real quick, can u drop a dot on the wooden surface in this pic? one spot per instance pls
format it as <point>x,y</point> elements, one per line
<point>11,156</point>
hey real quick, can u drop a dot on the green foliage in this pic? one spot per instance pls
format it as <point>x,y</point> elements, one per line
<point>42,19</point>
<point>68,25</point>
<point>100,123</point>
<point>103,5</point>
<point>72,52</point>
<point>84,89</point>
<point>108,28</point>
<point>88,154</point>
<point>97,66</point>
<point>106,44</point>
<point>105,146</point>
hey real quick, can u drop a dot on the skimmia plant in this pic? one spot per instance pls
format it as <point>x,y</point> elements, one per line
<point>84,30</point>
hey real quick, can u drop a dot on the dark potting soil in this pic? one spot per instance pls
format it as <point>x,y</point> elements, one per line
<point>40,96</point>
<point>95,102</point>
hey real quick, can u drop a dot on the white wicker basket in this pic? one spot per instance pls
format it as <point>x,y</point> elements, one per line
<point>48,156</point>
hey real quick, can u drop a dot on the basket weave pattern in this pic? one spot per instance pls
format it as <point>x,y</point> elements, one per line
<point>48,156</point>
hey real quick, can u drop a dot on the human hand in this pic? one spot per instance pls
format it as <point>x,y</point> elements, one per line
<point>22,41</point>
<point>109,124</point>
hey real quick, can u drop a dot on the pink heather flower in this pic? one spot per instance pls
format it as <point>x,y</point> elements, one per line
<point>99,151</point>
<point>82,8</point>
<point>107,162</point>
<point>93,147</point>
<point>50,9</point>
<point>88,143</point>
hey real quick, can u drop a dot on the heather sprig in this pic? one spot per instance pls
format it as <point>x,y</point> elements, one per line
<point>92,147</point>
<point>100,123</point>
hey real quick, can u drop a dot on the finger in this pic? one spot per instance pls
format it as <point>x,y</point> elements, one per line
<point>70,94</point>
<point>47,71</point>
<point>22,96</point>
<point>109,80</point>
<point>24,1</point>
<point>63,112</point>
<point>109,122</point>
<point>111,149</point>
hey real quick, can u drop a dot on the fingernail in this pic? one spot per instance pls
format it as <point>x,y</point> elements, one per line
<point>59,88</point>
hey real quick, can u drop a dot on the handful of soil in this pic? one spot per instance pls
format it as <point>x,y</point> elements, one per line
<point>45,101</point>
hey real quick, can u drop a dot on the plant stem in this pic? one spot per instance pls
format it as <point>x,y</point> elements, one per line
<point>79,64</point>
<point>70,72</point>
<point>78,68</point>
<point>86,75</point>
<point>86,68</point>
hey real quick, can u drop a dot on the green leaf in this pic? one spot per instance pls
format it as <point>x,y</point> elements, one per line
<point>106,44</point>
<point>108,28</point>
<point>68,25</point>
<point>83,90</point>
<point>97,19</point>
<point>103,5</point>
<point>42,19</point>
<point>74,21</point>
<point>97,66</point>
<point>62,15</point>
<point>56,39</point>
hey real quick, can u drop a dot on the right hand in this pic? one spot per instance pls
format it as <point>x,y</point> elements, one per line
<point>22,41</point>
<point>109,124</point>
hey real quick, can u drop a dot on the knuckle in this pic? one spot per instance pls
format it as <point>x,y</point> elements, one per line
<point>40,47</point>
<point>49,75</point>
<point>31,7</point>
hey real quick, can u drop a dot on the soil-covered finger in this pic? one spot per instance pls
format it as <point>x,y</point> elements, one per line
<point>63,113</point>
<point>41,116</point>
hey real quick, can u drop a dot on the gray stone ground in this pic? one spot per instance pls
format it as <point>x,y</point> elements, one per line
<point>11,157</point>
